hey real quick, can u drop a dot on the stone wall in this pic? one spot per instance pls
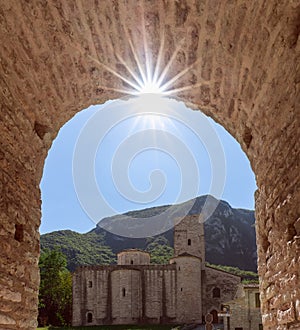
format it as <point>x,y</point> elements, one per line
<point>133,257</point>
<point>160,295</point>
<point>244,310</point>
<point>225,282</point>
<point>189,289</point>
<point>124,294</point>
<point>88,281</point>
<point>189,237</point>
<point>53,63</point>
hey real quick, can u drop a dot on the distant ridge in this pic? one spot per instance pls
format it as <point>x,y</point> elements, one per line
<point>229,235</point>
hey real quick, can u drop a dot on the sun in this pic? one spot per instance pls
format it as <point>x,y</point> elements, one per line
<point>146,75</point>
<point>150,87</point>
<point>151,109</point>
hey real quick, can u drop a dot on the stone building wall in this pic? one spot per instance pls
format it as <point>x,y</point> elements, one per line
<point>91,295</point>
<point>245,309</point>
<point>189,237</point>
<point>124,294</point>
<point>133,257</point>
<point>189,289</point>
<point>225,282</point>
<point>160,295</point>
<point>245,75</point>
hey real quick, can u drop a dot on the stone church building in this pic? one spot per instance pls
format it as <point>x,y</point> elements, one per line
<point>135,291</point>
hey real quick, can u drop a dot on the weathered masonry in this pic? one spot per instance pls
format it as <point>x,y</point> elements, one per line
<point>246,76</point>
<point>134,292</point>
<point>244,310</point>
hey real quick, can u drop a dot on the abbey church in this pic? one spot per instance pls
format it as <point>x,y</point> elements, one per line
<point>135,291</point>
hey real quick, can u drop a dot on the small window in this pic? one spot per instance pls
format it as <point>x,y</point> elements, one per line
<point>260,327</point>
<point>19,232</point>
<point>131,262</point>
<point>257,300</point>
<point>189,242</point>
<point>239,328</point>
<point>89,317</point>
<point>216,293</point>
<point>123,292</point>
<point>181,289</point>
<point>90,284</point>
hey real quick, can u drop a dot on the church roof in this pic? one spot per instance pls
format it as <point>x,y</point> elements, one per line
<point>185,254</point>
<point>133,250</point>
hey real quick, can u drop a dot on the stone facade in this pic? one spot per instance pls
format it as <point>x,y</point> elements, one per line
<point>245,76</point>
<point>133,291</point>
<point>219,288</point>
<point>244,310</point>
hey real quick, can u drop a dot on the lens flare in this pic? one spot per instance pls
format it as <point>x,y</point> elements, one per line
<point>150,87</point>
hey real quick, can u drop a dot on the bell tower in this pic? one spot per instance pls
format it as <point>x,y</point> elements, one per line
<point>189,237</point>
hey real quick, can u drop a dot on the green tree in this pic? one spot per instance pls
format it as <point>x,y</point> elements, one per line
<point>55,295</point>
<point>160,251</point>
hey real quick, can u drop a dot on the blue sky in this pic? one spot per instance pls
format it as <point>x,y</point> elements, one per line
<point>133,154</point>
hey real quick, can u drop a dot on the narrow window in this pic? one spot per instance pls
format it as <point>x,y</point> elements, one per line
<point>90,284</point>
<point>257,300</point>
<point>123,292</point>
<point>131,262</point>
<point>189,242</point>
<point>19,232</point>
<point>216,293</point>
<point>89,317</point>
<point>260,327</point>
<point>181,289</point>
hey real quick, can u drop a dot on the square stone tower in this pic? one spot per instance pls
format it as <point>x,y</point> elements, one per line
<point>189,237</point>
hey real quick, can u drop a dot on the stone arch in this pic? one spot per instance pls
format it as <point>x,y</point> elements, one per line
<point>89,317</point>
<point>54,62</point>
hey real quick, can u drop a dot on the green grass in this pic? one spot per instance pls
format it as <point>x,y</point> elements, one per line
<point>114,327</point>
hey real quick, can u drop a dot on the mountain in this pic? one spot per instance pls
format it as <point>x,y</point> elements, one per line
<point>229,235</point>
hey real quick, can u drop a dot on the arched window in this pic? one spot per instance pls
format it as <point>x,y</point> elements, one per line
<point>89,317</point>
<point>189,242</point>
<point>216,293</point>
<point>90,284</point>
<point>131,262</point>
<point>123,292</point>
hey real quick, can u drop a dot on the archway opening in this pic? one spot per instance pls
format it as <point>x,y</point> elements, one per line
<point>108,140</point>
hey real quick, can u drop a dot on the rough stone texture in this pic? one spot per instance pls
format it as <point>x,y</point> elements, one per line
<point>133,257</point>
<point>246,76</point>
<point>226,282</point>
<point>189,238</point>
<point>244,309</point>
<point>189,289</point>
<point>124,294</point>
